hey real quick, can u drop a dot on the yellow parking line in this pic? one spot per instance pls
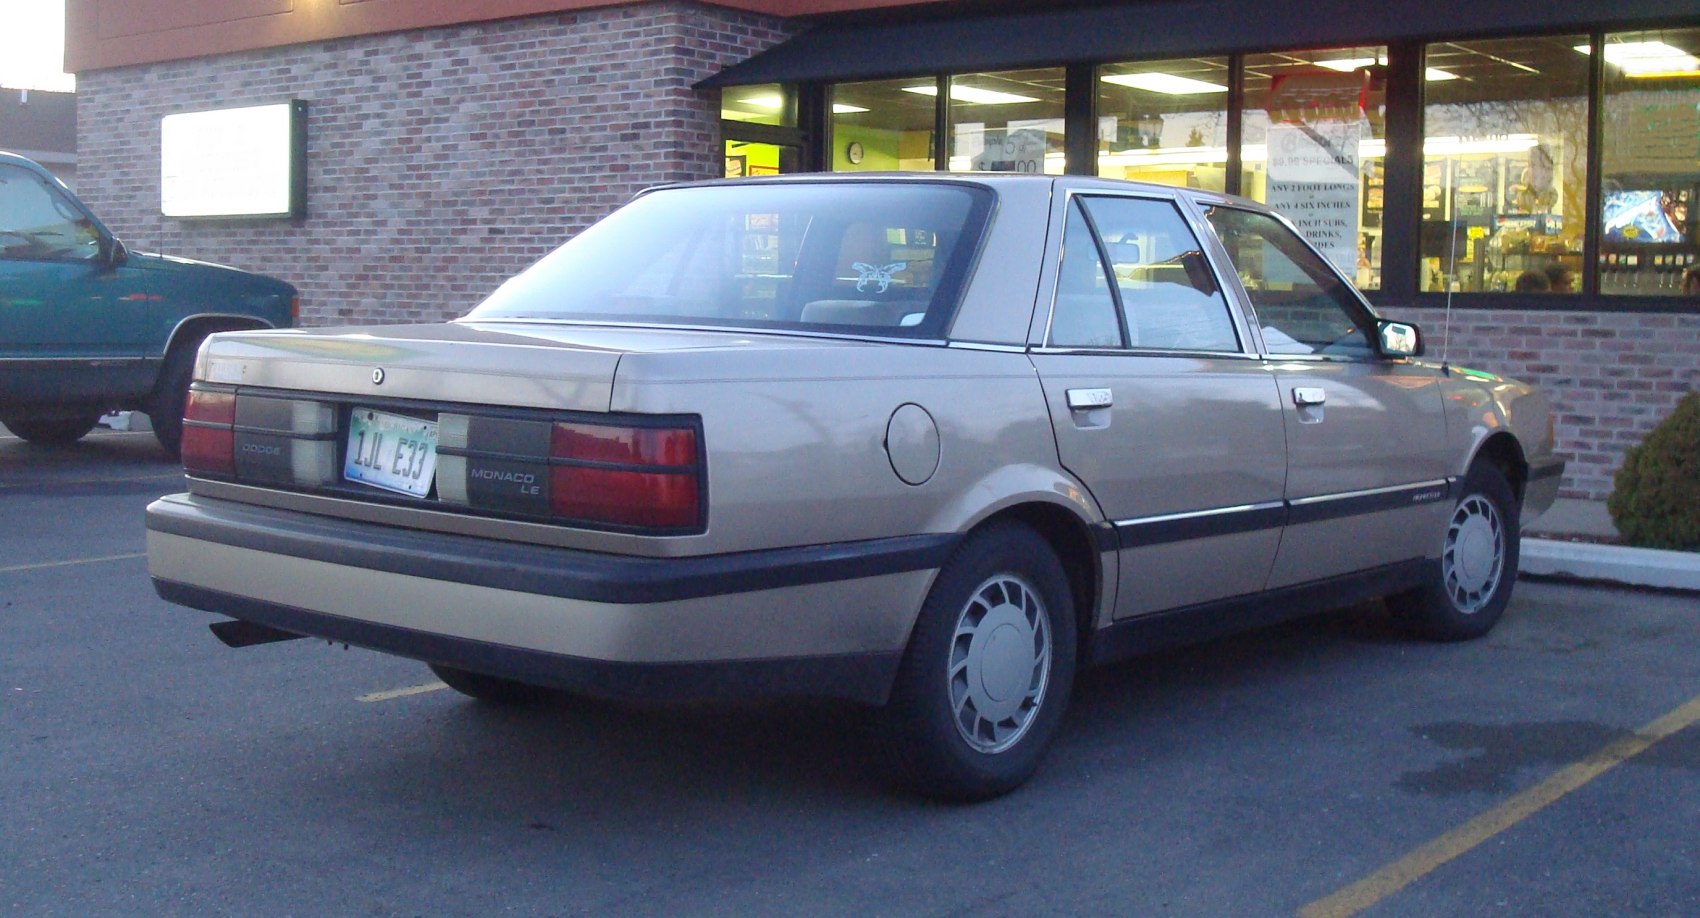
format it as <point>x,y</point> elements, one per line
<point>1422,861</point>
<point>403,692</point>
<point>46,564</point>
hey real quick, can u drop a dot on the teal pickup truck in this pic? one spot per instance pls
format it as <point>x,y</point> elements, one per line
<point>88,327</point>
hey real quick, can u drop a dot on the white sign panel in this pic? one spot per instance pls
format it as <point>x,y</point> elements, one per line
<point>235,162</point>
<point>1313,181</point>
<point>1011,150</point>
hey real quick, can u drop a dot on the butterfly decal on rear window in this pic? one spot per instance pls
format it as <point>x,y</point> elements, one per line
<point>867,274</point>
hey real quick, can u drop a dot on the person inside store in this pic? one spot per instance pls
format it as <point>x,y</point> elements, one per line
<point>1691,280</point>
<point>1532,281</point>
<point>1560,279</point>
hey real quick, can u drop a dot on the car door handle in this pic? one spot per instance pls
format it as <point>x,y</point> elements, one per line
<point>1305,396</point>
<point>1087,399</point>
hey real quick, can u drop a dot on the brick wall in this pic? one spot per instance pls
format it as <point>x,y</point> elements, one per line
<point>439,162</point>
<point>1611,376</point>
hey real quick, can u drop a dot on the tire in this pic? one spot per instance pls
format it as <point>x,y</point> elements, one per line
<point>1478,564</point>
<point>59,431</point>
<point>988,671</point>
<point>489,689</point>
<point>171,393</point>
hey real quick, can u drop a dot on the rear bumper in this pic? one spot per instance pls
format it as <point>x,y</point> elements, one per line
<point>864,677</point>
<point>826,621</point>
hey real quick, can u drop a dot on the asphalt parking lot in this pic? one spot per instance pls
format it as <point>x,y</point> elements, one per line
<point>1327,767</point>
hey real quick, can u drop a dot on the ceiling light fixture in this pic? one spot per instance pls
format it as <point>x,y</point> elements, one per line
<point>1166,83</point>
<point>1648,58</point>
<point>1350,64</point>
<point>972,94</point>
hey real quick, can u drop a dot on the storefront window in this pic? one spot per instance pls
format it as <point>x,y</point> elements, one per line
<point>1004,122</point>
<point>766,103</point>
<point>1650,161</point>
<point>1165,122</point>
<point>1314,141</point>
<point>748,151</point>
<point>746,158</point>
<point>1505,165</point>
<point>879,126</point>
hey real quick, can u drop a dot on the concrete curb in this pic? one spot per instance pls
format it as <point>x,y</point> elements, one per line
<point>1643,567</point>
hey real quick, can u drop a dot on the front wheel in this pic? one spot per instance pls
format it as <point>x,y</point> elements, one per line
<point>59,431</point>
<point>171,393</point>
<point>1478,564</point>
<point>988,671</point>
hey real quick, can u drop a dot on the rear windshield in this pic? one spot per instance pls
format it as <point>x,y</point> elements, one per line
<point>866,259</point>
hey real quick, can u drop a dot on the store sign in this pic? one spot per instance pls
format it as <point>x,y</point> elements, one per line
<point>1015,149</point>
<point>1313,181</point>
<point>234,162</point>
<point>1653,131</point>
<point>1314,166</point>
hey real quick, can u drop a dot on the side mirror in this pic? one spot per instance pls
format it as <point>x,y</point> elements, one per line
<point>1400,339</point>
<point>1198,272</point>
<point>113,252</point>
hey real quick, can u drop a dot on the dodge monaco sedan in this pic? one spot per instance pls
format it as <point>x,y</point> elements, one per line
<point>925,443</point>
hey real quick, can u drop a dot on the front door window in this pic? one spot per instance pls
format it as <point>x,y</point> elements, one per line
<point>1303,307</point>
<point>38,224</point>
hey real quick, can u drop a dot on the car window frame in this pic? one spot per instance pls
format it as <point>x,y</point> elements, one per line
<point>1359,308</point>
<point>1249,344</point>
<point>74,213</point>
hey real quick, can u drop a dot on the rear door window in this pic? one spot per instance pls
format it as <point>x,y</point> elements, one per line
<point>1135,263</point>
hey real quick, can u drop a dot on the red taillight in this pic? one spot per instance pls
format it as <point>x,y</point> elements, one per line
<point>623,498</point>
<point>209,435</point>
<point>627,476</point>
<point>625,445</point>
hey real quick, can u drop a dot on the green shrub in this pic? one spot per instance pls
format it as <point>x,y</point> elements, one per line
<point>1656,500</point>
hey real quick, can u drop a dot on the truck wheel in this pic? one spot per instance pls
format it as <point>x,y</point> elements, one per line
<point>60,431</point>
<point>171,393</point>
<point>488,689</point>
<point>988,671</point>
<point>1478,564</point>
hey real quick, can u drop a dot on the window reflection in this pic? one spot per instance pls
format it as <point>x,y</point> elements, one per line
<point>877,126</point>
<point>1505,166</point>
<point>1010,121</point>
<point>1314,143</point>
<point>1165,122</point>
<point>1651,176</point>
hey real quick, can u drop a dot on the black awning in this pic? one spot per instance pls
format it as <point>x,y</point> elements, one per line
<point>1137,29</point>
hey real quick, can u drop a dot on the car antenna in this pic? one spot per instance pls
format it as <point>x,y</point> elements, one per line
<point>1451,284</point>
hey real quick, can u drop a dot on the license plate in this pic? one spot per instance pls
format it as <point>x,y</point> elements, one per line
<point>391,451</point>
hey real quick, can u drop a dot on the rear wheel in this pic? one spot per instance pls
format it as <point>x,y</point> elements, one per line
<point>1478,564</point>
<point>53,431</point>
<point>988,671</point>
<point>489,689</point>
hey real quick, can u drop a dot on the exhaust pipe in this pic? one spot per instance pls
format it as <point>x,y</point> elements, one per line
<point>238,633</point>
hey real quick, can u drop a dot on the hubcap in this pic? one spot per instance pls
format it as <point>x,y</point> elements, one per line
<point>1474,560</point>
<point>1000,662</point>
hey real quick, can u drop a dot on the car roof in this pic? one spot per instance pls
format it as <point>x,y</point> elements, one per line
<point>24,162</point>
<point>993,180</point>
